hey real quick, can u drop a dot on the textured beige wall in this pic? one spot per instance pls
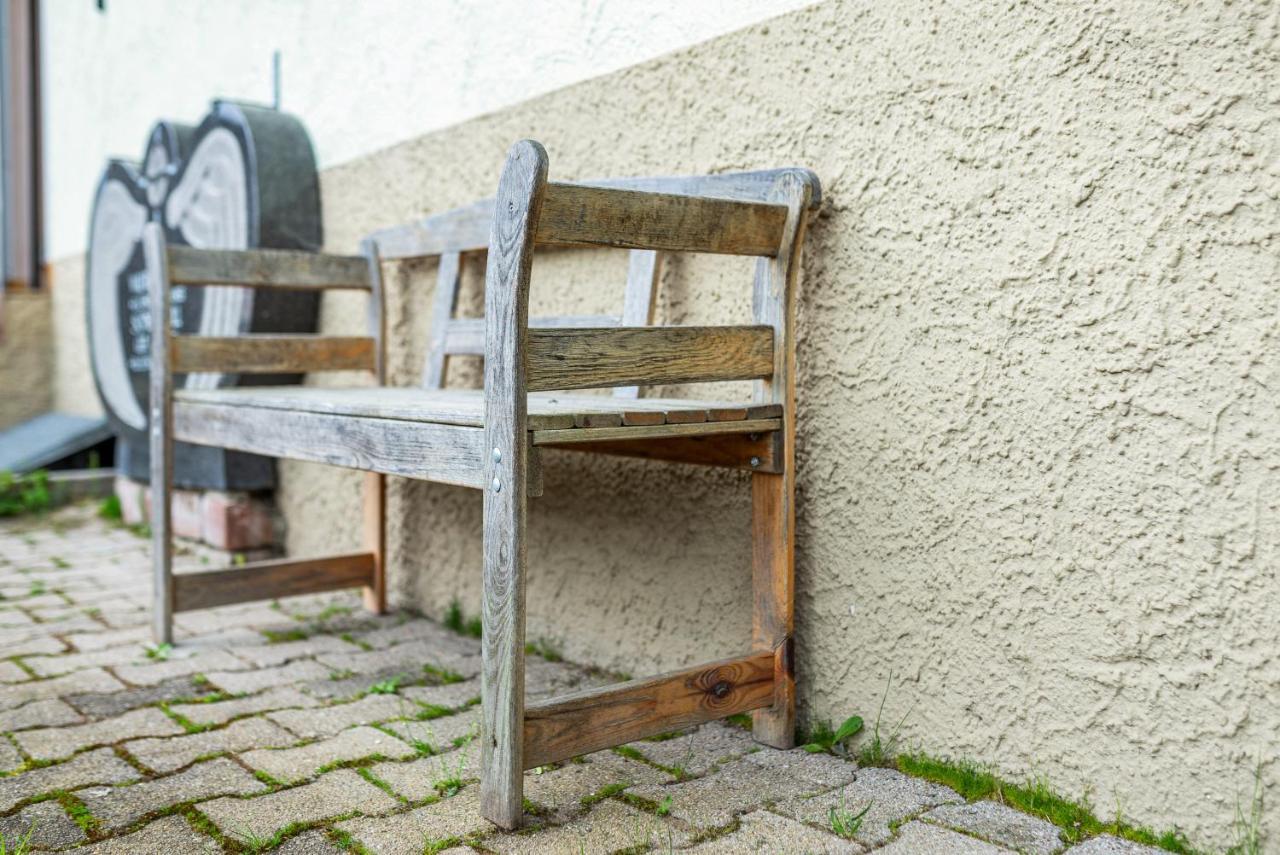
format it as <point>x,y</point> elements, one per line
<point>74,390</point>
<point>26,350</point>
<point>1039,373</point>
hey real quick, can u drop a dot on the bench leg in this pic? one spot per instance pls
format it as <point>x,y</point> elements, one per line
<point>375,539</point>
<point>516,209</point>
<point>773,583</point>
<point>161,427</point>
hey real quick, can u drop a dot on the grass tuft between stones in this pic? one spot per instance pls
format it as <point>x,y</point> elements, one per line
<point>1075,818</point>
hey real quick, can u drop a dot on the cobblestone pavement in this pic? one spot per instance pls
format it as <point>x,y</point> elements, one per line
<point>311,727</point>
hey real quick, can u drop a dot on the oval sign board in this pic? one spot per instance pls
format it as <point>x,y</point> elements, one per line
<point>245,177</point>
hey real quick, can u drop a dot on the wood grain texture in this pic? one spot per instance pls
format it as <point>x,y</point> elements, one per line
<point>161,427</point>
<point>466,229</point>
<point>448,275</point>
<point>576,215</point>
<point>267,580</point>
<point>601,718</point>
<point>773,513</point>
<point>376,310</point>
<point>577,435</point>
<point>732,451</point>
<point>545,410</point>
<point>624,356</point>
<point>644,267</point>
<point>267,268</point>
<point>373,535</point>
<point>449,454</point>
<point>273,354</point>
<point>519,201</point>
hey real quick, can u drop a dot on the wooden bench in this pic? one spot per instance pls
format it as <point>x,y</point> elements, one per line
<point>491,439</point>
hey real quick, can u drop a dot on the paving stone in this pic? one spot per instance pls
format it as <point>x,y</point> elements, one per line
<point>42,644</point>
<point>420,629</point>
<point>52,666</point>
<point>417,779</point>
<point>407,833</point>
<point>279,653</point>
<point>297,764</point>
<point>608,827</point>
<point>223,711</point>
<point>327,721</point>
<point>14,618</point>
<point>700,750</point>
<point>104,704</point>
<point>450,695</point>
<point>255,615</point>
<point>440,733</point>
<point>408,657</point>
<point>166,755</point>
<point>824,770</point>
<point>562,790</point>
<point>9,756</point>
<point>238,682</point>
<point>1000,824</point>
<point>93,767</point>
<point>10,672</point>
<point>1106,844</point>
<point>892,796</point>
<point>347,688</point>
<point>93,680</point>
<point>762,831</point>
<point>50,713</point>
<point>86,641</point>
<point>916,837</point>
<point>49,743</point>
<point>308,843</point>
<point>46,822</point>
<point>171,834</point>
<point>150,673</point>
<point>119,806</point>
<point>734,788</point>
<point>334,794</point>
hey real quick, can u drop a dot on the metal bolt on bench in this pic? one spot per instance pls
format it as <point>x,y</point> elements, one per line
<point>491,439</point>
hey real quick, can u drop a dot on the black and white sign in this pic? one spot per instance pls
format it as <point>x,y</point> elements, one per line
<point>245,177</point>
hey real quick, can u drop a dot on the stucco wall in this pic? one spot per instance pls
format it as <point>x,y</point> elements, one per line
<point>1039,431</point>
<point>26,349</point>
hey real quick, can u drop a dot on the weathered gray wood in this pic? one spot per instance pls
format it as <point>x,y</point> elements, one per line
<point>447,278</point>
<point>466,335</point>
<point>161,380</point>
<point>272,354</point>
<point>588,721</point>
<point>643,269</point>
<point>266,268</point>
<point>376,309</point>
<point>748,452</point>
<point>267,580</point>
<point>592,358</point>
<point>575,215</point>
<point>466,229</point>
<point>446,453</point>
<point>575,435</point>
<point>546,411</point>
<point>519,204</point>
<point>373,495</point>
<point>773,495</point>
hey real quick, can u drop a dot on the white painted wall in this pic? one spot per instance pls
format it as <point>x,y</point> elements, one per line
<point>361,75</point>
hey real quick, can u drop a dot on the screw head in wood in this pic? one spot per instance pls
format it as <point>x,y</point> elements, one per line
<point>497,455</point>
<point>497,485</point>
<point>755,461</point>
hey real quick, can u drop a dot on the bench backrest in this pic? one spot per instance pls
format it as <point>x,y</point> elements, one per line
<point>455,235</point>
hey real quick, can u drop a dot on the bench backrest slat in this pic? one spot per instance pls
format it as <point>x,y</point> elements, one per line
<point>646,213</point>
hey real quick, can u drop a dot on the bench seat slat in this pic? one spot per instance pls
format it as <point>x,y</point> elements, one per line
<point>465,407</point>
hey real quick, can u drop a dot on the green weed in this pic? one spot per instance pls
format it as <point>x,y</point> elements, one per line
<point>109,509</point>
<point>24,494</point>
<point>845,822</point>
